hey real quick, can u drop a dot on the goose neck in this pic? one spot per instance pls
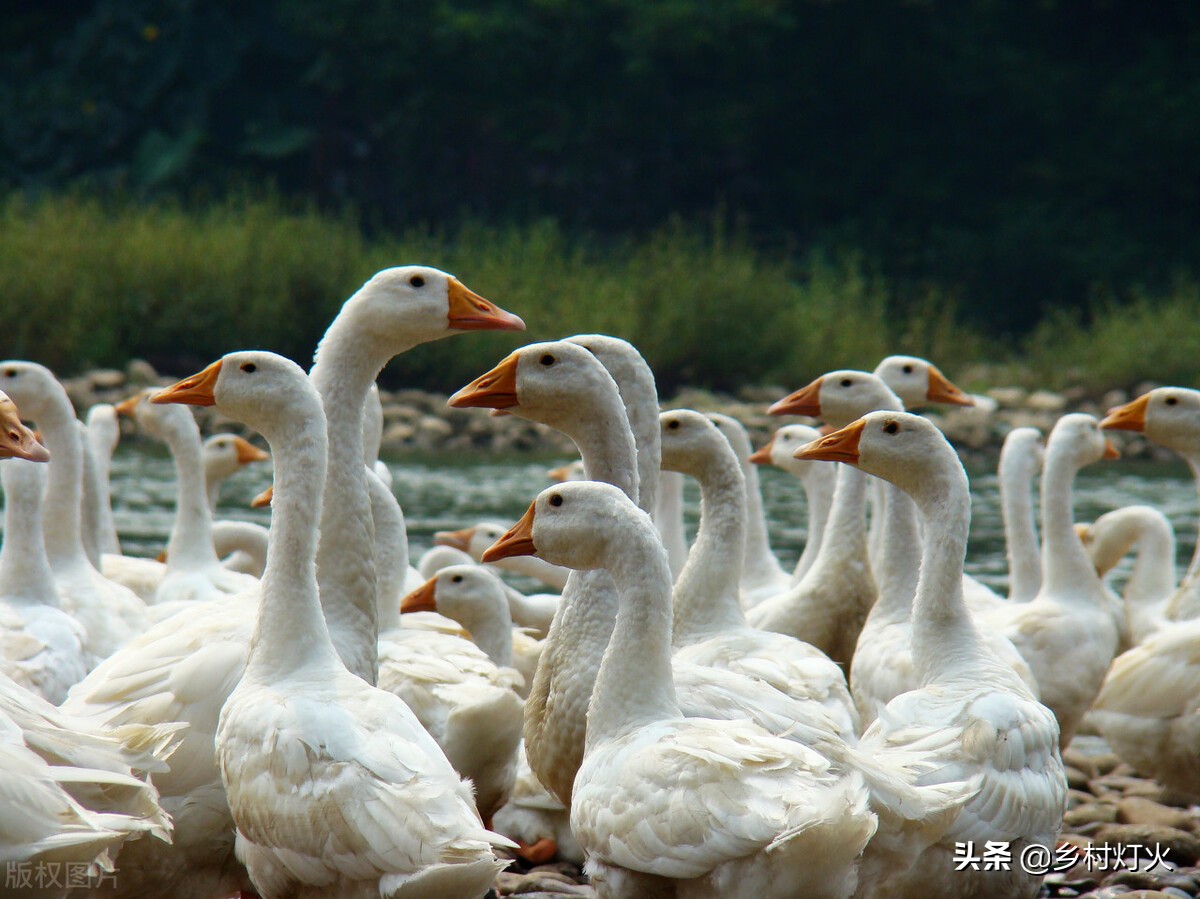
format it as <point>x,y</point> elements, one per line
<point>1067,572</point>
<point>706,592</point>
<point>607,448</point>
<point>25,574</point>
<point>291,633</point>
<point>900,555</point>
<point>1153,572</point>
<point>190,544</point>
<point>1020,530</point>
<point>634,685</point>
<point>845,533</point>
<point>64,484</point>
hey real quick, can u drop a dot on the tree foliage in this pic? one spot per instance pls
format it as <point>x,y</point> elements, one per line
<point>1023,155</point>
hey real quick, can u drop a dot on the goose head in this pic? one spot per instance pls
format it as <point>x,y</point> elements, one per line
<point>102,420</point>
<point>918,382</point>
<point>579,525</point>
<point>780,450</point>
<point>225,454</point>
<point>839,398</point>
<point>253,387</point>
<point>1023,452</point>
<point>1168,416</point>
<point>470,594</point>
<point>157,420</point>
<point>16,440</point>
<point>691,441</point>
<point>473,540</point>
<point>905,449</point>
<point>32,387</point>
<point>413,304</point>
<point>1077,438</point>
<point>558,383</point>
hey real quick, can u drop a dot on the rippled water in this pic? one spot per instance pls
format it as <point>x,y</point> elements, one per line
<point>453,492</point>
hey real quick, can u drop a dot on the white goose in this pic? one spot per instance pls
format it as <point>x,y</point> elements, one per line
<point>709,627</point>
<point>111,613</point>
<point>829,605</point>
<point>224,455</point>
<point>1149,706</point>
<point>971,717</point>
<point>193,571</point>
<point>301,739</point>
<point>668,805</point>
<point>184,668</point>
<point>817,479</point>
<point>1069,626</point>
<point>1151,583</point>
<point>241,545</point>
<point>1021,463</point>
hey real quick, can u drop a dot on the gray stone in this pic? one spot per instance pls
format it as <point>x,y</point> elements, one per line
<point>106,378</point>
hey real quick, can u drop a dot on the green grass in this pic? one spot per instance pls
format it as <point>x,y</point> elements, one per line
<point>90,283</point>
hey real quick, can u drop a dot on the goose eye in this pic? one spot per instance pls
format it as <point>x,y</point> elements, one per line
<point>547,359</point>
<point>1171,401</point>
<point>908,369</point>
<point>891,427</point>
<point>556,500</point>
<point>14,436</point>
<point>249,367</point>
<point>846,382</point>
<point>457,579</point>
<point>673,424</point>
<point>11,373</point>
<point>416,281</point>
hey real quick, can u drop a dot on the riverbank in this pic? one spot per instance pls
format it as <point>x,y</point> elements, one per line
<point>419,421</point>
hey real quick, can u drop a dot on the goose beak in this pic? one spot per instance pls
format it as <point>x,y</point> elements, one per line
<point>497,389</point>
<point>124,409</point>
<point>1110,451</point>
<point>559,475</point>
<point>941,390</point>
<point>423,599</point>
<point>763,456</point>
<point>264,498</point>
<point>470,312</point>
<point>247,452</point>
<point>194,391</point>
<point>1130,417</point>
<point>840,446</point>
<point>457,539</point>
<point>161,557</point>
<point>517,542</point>
<point>805,401</point>
<point>16,440</point>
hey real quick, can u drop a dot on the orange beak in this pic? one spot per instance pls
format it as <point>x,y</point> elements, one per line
<point>517,542</point>
<point>457,539</point>
<point>1110,451</point>
<point>1130,417</point>
<point>247,452</point>
<point>16,440</point>
<point>423,599</point>
<point>264,498</point>
<point>495,390</point>
<point>125,407</point>
<point>471,312</point>
<point>194,391</point>
<point>805,401</point>
<point>840,446</point>
<point>942,391</point>
<point>763,456</point>
<point>161,557</point>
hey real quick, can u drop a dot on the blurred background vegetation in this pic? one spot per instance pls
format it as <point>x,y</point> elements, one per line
<point>751,190</point>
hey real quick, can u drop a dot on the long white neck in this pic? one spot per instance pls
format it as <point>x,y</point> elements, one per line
<point>634,685</point>
<point>391,552</point>
<point>191,544</point>
<point>348,362</point>
<point>90,514</point>
<point>668,518</point>
<point>1067,572</point>
<point>102,437</point>
<point>818,490</point>
<point>25,575</point>
<point>1020,528</point>
<point>212,491</point>
<point>1153,575</point>
<point>291,631</point>
<point>61,521</point>
<point>706,593</point>
<point>899,556</point>
<point>607,448</point>
<point>492,632</point>
<point>845,535</point>
<point>241,536</point>
<point>946,646</point>
<point>1191,577</point>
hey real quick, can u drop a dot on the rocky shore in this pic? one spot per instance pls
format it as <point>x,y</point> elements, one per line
<point>421,422</point>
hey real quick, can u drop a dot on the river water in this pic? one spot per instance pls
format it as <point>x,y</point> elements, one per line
<point>453,492</point>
